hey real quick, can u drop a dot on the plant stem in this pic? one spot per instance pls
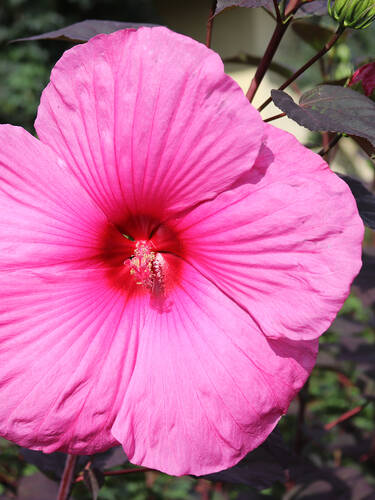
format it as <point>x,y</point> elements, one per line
<point>119,472</point>
<point>67,478</point>
<point>210,23</point>
<point>342,418</point>
<point>277,11</point>
<point>332,144</point>
<point>280,29</point>
<point>275,117</point>
<point>266,59</point>
<point>309,63</point>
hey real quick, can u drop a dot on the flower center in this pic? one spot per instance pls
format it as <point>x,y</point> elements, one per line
<point>148,267</point>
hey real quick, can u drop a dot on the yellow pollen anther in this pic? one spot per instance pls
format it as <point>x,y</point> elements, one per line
<point>146,267</point>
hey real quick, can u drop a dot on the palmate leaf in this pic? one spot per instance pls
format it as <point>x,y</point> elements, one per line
<point>313,34</point>
<point>331,108</point>
<point>36,487</point>
<point>271,462</point>
<point>225,4</point>
<point>309,8</point>
<point>53,464</point>
<point>83,31</point>
<point>364,283</point>
<point>364,198</point>
<point>314,8</point>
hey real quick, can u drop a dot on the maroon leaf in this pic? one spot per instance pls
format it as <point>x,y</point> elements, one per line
<point>364,283</point>
<point>331,108</point>
<point>83,31</point>
<point>315,8</point>
<point>53,463</point>
<point>37,487</point>
<point>366,146</point>
<point>313,34</point>
<point>225,4</point>
<point>364,198</point>
<point>262,467</point>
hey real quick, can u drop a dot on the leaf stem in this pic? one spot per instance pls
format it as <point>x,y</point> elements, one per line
<point>331,145</point>
<point>279,31</point>
<point>119,472</point>
<point>67,478</point>
<point>275,117</point>
<point>210,23</point>
<point>345,416</point>
<point>309,63</point>
<point>277,11</point>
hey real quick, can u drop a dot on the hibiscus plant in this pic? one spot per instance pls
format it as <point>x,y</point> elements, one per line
<point>170,258</point>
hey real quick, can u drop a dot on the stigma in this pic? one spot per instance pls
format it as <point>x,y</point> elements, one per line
<point>148,267</point>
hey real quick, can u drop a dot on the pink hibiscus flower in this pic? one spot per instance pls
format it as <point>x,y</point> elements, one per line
<point>167,260</point>
<point>366,75</point>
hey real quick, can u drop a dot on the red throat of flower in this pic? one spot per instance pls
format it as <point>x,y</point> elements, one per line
<point>142,256</point>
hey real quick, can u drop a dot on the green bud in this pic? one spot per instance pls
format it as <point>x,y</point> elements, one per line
<point>356,14</point>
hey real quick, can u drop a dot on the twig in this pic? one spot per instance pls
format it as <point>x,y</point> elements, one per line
<point>210,23</point>
<point>343,417</point>
<point>309,63</point>
<point>266,60</point>
<point>281,26</point>
<point>331,145</point>
<point>119,472</point>
<point>277,12</point>
<point>275,117</point>
<point>67,478</point>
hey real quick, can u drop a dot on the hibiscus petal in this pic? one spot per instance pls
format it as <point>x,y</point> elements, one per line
<point>45,216</point>
<point>285,245</point>
<point>59,309</point>
<point>146,119</point>
<point>67,348</point>
<point>207,386</point>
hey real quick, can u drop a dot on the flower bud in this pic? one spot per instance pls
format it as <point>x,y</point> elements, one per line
<point>356,14</point>
<point>364,80</point>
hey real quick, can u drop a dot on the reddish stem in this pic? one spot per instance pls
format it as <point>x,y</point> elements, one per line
<point>67,478</point>
<point>331,144</point>
<point>264,64</point>
<point>343,417</point>
<point>277,11</point>
<point>119,472</point>
<point>309,63</point>
<point>210,23</point>
<point>275,117</point>
<point>273,45</point>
